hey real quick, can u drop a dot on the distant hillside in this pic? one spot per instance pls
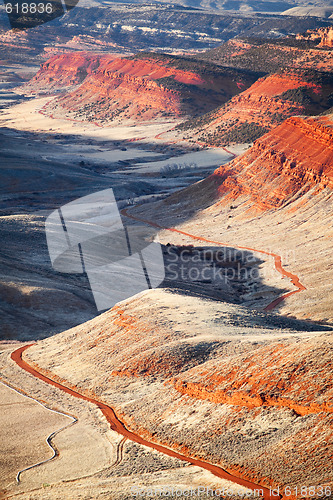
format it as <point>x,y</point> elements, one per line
<point>298,82</point>
<point>319,10</point>
<point>316,8</point>
<point>288,7</point>
<point>264,55</point>
<point>133,27</point>
<point>268,102</point>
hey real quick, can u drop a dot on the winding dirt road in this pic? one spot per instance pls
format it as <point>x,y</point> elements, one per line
<point>119,427</point>
<point>277,259</point>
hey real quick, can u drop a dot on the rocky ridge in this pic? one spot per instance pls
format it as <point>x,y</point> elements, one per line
<point>281,166</point>
<point>261,54</point>
<point>61,72</point>
<point>287,162</point>
<point>326,37</point>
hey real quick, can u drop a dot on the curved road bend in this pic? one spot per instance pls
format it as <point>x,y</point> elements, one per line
<point>277,259</point>
<point>119,427</point>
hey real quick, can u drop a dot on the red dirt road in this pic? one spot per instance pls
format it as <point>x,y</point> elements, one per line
<point>277,259</point>
<point>119,427</point>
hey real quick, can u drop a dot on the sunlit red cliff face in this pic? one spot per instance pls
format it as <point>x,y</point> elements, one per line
<point>326,37</point>
<point>141,87</point>
<point>288,161</point>
<point>283,165</point>
<point>63,71</point>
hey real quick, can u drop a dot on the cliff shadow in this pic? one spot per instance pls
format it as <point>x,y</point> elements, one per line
<point>35,300</point>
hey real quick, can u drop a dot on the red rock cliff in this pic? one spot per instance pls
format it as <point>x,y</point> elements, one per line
<point>286,162</point>
<point>63,71</point>
<point>262,105</point>
<point>281,166</point>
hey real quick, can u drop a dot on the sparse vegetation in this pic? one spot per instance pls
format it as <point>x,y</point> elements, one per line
<point>264,56</point>
<point>302,96</point>
<point>246,132</point>
<point>225,135</point>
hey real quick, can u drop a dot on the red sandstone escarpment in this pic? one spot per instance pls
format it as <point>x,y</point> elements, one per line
<point>250,114</point>
<point>62,71</point>
<point>278,375</point>
<point>140,87</point>
<point>120,88</point>
<point>285,163</point>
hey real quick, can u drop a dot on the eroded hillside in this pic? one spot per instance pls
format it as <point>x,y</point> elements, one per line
<point>282,166</point>
<point>63,72</point>
<point>323,37</point>
<point>265,104</point>
<point>210,380</point>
